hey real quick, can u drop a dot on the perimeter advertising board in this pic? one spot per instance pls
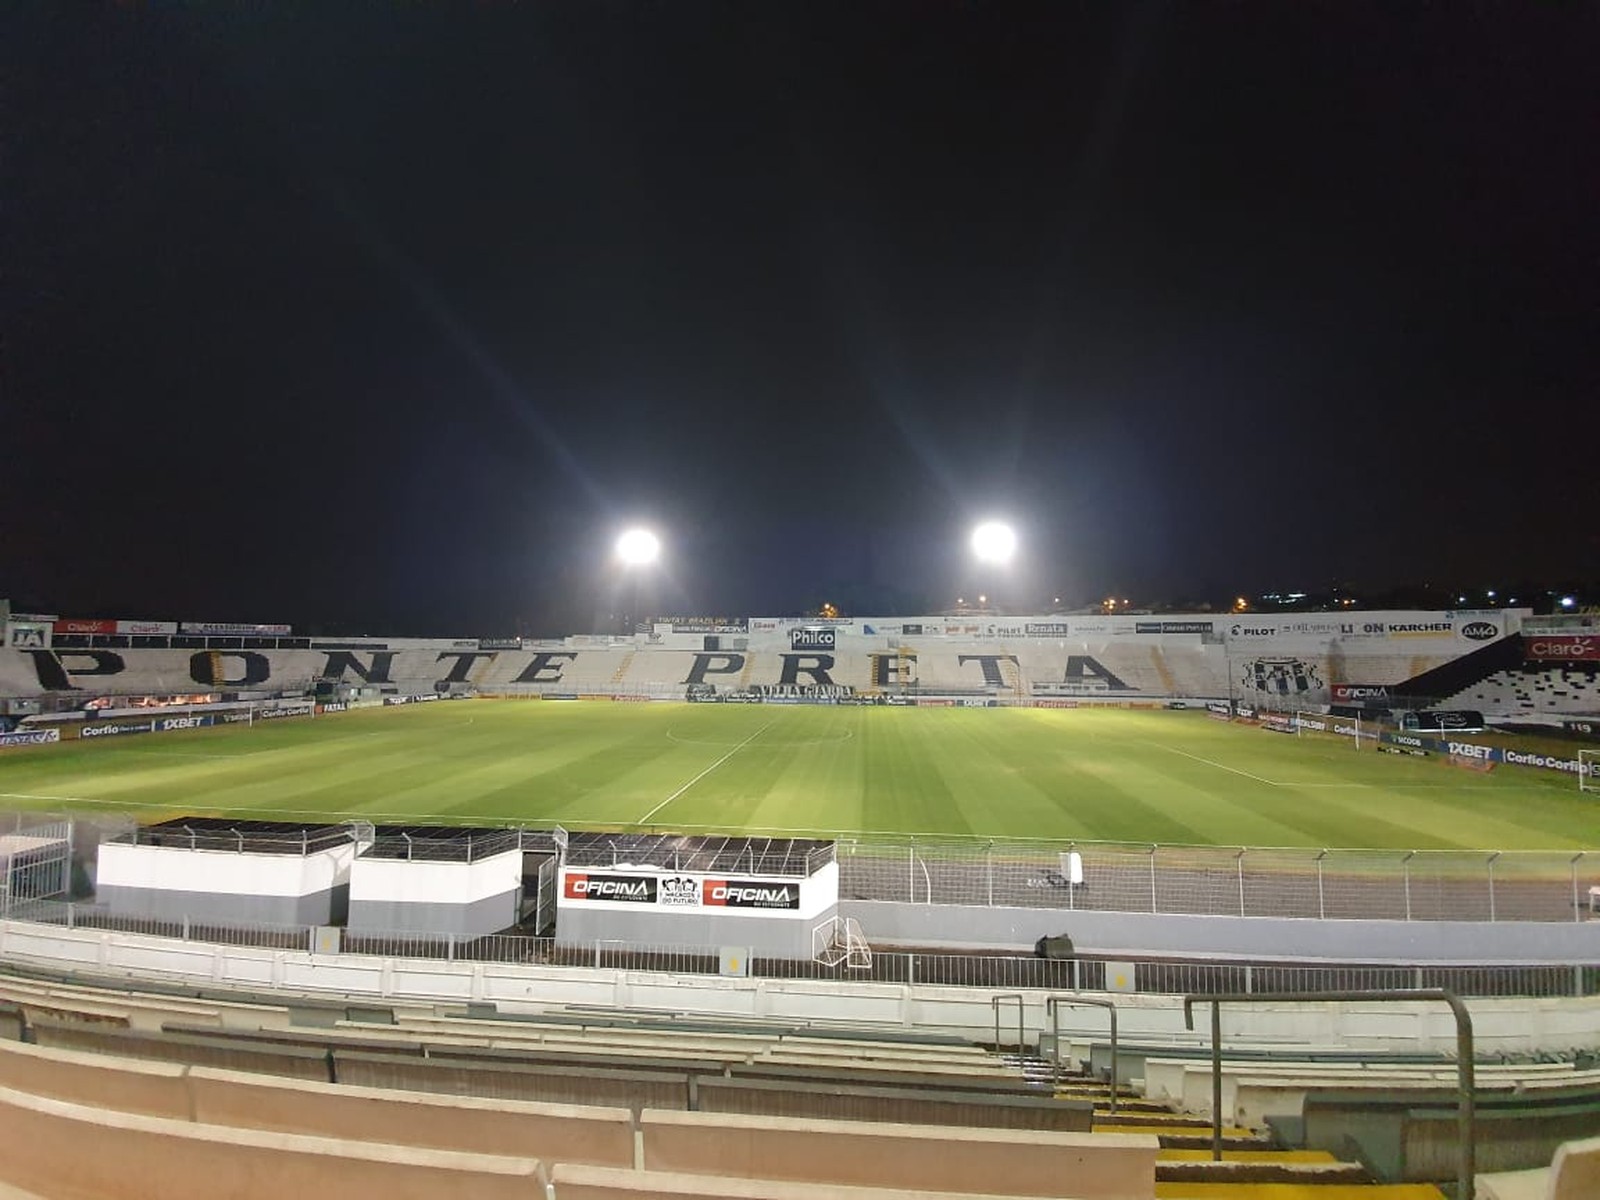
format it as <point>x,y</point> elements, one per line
<point>709,895</point>
<point>1567,647</point>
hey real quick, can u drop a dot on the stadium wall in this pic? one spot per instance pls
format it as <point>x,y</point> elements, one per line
<point>1501,1025</point>
<point>172,883</point>
<point>1259,939</point>
<point>465,898</point>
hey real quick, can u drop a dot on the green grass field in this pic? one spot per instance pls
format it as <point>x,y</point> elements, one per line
<point>1082,774</point>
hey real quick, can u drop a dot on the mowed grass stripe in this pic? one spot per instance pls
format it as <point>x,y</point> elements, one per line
<point>992,773</point>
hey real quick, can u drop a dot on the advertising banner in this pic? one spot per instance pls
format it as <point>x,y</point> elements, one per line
<point>750,893</point>
<point>813,639</point>
<point>97,731</point>
<point>629,889</point>
<point>1201,627</point>
<point>28,635</point>
<point>500,643</point>
<point>191,721</point>
<point>1220,709</point>
<point>1566,647</point>
<point>1344,726</point>
<point>1046,629</point>
<point>148,628</point>
<point>1415,744</point>
<point>234,629</point>
<point>73,625</point>
<point>30,737</point>
<point>288,710</point>
<point>1360,693</point>
<point>1443,720</point>
<point>705,624</point>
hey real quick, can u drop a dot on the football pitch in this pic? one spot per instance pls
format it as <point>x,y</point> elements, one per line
<point>1010,774</point>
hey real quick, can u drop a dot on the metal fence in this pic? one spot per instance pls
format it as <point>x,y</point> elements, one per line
<point>35,862</point>
<point>1409,885</point>
<point>985,971</point>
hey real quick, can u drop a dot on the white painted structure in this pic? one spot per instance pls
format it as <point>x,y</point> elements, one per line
<point>224,886</point>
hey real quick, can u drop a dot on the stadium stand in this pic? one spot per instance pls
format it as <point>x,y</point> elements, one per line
<point>1534,689</point>
<point>466,1085</point>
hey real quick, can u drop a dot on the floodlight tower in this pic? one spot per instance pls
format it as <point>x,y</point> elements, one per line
<point>637,550</point>
<point>994,544</point>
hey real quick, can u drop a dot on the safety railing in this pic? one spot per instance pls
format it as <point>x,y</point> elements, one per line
<point>988,972</point>
<point>1053,1005</point>
<point>1465,1074</point>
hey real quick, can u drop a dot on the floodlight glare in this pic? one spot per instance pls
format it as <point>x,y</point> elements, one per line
<point>994,542</point>
<point>638,547</point>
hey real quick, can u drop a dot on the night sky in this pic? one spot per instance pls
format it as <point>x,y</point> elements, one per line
<point>391,316</point>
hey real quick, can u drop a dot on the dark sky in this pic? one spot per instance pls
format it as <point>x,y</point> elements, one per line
<point>392,315</point>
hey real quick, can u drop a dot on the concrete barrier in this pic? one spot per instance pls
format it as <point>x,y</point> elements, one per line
<point>538,1082</point>
<point>575,1133</point>
<point>294,1062</point>
<point>841,1100</point>
<point>127,1085</point>
<point>1574,1174</point>
<point>62,1149</point>
<point>992,1161</point>
<point>609,1183</point>
<point>1576,1171</point>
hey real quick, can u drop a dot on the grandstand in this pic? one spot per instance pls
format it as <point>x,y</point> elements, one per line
<point>398,1008</point>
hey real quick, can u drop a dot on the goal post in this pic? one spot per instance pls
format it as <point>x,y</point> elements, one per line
<point>1589,770</point>
<point>1344,727</point>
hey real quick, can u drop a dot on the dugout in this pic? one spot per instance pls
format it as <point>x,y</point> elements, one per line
<point>770,896</point>
<point>441,879</point>
<point>229,872</point>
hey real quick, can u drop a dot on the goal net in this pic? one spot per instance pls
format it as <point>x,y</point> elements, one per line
<point>1589,770</point>
<point>1348,728</point>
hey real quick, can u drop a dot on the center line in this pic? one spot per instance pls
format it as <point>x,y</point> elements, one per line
<point>1219,766</point>
<point>704,773</point>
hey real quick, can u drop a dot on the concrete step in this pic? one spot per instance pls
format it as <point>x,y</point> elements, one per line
<point>1298,1191</point>
<point>1164,1118</point>
<point>1262,1170</point>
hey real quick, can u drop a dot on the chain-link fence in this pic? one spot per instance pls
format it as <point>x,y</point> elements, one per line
<point>1410,885</point>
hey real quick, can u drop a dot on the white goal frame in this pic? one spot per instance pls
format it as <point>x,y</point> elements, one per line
<point>1328,718</point>
<point>1589,770</point>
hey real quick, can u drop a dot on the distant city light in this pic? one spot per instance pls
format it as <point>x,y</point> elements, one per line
<point>1568,601</point>
<point>994,542</point>
<point>983,599</point>
<point>638,547</point>
<point>1490,593</point>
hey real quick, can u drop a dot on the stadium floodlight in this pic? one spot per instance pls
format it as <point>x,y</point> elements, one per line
<point>994,542</point>
<point>638,547</point>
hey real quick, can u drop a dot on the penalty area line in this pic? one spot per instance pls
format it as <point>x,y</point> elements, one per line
<point>1219,766</point>
<point>642,820</point>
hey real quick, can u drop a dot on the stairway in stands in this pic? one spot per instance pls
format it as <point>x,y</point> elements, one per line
<point>1253,1167</point>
